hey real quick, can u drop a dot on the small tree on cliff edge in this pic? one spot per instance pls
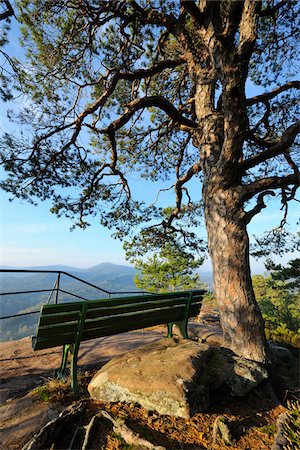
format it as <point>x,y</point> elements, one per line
<point>160,88</point>
<point>172,270</point>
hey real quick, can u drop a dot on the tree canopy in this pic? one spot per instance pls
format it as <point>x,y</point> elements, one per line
<point>111,90</point>
<point>159,89</point>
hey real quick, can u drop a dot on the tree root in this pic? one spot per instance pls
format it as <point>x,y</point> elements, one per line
<point>82,436</point>
<point>128,435</point>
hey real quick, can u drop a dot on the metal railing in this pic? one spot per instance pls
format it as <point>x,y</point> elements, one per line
<point>56,289</point>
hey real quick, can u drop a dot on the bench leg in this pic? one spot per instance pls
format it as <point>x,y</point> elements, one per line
<point>182,325</point>
<point>183,328</point>
<point>74,382</point>
<point>170,329</point>
<point>61,373</point>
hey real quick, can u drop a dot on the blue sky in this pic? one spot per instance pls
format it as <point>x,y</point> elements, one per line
<point>32,236</point>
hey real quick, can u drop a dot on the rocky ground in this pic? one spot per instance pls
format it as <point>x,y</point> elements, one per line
<point>30,397</point>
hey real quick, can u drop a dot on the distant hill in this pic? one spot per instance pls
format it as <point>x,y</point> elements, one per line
<point>110,277</point>
<point>107,276</point>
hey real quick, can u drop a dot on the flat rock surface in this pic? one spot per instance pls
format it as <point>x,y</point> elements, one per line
<point>21,369</point>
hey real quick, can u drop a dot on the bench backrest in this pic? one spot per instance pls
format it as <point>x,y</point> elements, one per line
<point>66,322</point>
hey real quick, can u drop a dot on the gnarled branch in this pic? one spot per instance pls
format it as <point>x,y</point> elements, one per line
<point>259,206</point>
<point>273,11</point>
<point>275,182</point>
<point>8,12</point>
<point>151,101</point>
<point>262,98</point>
<point>286,140</point>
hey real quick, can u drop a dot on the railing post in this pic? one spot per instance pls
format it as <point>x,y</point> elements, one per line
<point>57,288</point>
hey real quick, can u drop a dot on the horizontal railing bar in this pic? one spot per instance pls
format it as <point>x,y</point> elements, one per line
<point>61,272</point>
<point>71,276</point>
<point>26,292</point>
<point>54,271</point>
<point>73,295</point>
<point>44,290</point>
<point>18,315</point>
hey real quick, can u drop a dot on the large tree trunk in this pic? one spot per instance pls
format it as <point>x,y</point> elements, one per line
<point>229,250</point>
<point>219,138</point>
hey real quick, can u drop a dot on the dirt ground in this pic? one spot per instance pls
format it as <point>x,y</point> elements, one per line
<point>24,412</point>
<point>22,370</point>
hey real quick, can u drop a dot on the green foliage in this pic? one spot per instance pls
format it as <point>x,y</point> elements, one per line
<point>289,274</point>
<point>171,270</point>
<point>278,297</point>
<point>7,66</point>
<point>269,429</point>
<point>42,393</point>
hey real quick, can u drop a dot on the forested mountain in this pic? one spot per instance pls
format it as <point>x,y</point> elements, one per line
<point>110,277</point>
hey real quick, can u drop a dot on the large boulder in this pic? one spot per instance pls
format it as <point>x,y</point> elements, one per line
<point>174,377</point>
<point>282,354</point>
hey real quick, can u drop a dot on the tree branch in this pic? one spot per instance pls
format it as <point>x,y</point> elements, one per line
<point>9,11</point>
<point>248,28</point>
<point>149,16</point>
<point>151,101</point>
<point>178,188</point>
<point>260,142</point>
<point>259,206</point>
<point>270,183</point>
<point>287,139</point>
<point>272,11</point>
<point>149,72</point>
<point>269,95</point>
<point>194,11</point>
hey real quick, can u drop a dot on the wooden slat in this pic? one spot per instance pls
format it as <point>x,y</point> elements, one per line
<point>197,298</point>
<point>57,330</point>
<point>63,317</point>
<point>127,325</point>
<point>118,301</point>
<point>61,307</point>
<point>53,341</point>
<point>160,315</point>
<point>111,302</point>
<point>125,308</point>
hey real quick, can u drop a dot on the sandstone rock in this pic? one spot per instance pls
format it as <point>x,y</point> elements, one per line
<point>173,377</point>
<point>282,353</point>
<point>208,334</point>
<point>158,376</point>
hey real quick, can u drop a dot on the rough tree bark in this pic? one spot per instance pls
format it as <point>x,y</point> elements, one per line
<point>229,250</point>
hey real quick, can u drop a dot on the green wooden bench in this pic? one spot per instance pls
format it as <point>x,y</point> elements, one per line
<point>68,324</point>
